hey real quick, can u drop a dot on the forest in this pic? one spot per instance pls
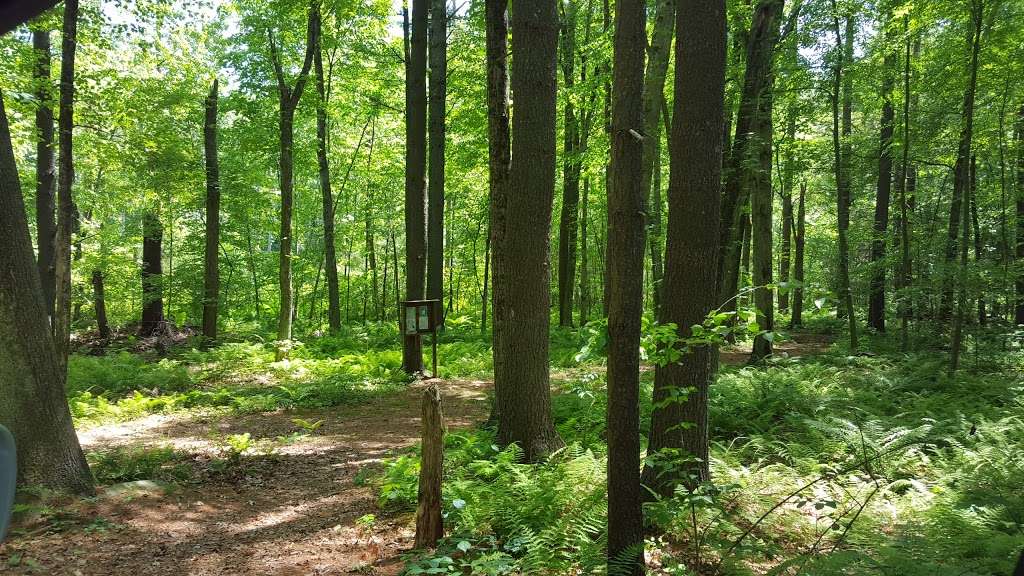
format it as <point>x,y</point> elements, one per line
<point>480,287</point>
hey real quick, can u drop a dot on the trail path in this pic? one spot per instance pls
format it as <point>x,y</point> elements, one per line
<point>292,513</point>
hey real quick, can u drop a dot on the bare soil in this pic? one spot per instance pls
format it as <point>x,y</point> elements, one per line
<point>291,512</point>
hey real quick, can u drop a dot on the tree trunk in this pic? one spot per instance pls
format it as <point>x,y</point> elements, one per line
<point>796,318</point>
<point>100,303</point>
<point>962,182</point>
<point>288,100</point>
<point>211,278</point>
<point>626,215</point>
<point>745,153</point>
<point>435,187</point>
<point>903,189</point>
<point>35,407</point>
<point>978,240</point>
<point>584,255</point>
<point>521,368</point>
<point>152,274</point>
<point>655,232</point>
<point>692,243</point>
<point>327,195</point>
<point>415,175</point>
<point>1018,316</point>
<point>429,524</point>
<point>658,53</point>
<point>571,164</point>
<point>841,94</point>
<point>65,178</point>
<point>46,169</point>
<point>786,247</point>
<point>876,298</point>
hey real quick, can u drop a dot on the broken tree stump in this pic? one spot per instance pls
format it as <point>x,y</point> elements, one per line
<point>429,525</point>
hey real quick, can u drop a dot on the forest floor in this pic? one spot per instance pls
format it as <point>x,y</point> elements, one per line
<point>295,503</point>
<point>300,510</point>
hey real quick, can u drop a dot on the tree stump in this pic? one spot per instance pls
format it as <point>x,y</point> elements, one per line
<point>429,525</point>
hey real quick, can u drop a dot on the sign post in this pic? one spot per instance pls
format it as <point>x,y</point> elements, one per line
<point>423,317</point>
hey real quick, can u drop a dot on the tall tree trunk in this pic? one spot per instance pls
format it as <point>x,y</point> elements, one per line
<point>655,232</point>
<point>978,240</point>
<point>152,274</point>
<point>626,208</point>
<point>962,181</point>
<point>499,165</point>
<point>760,182</point>
<point>415,175</point>
<point>100,303</point>
<point>584,255</point>
<point>211,278</point>
<point>788,173</point>
<point>692,243</point>
<point>796,317</point>
<point>522,371</point>
<point>842,98</point>
<point>288,100</point>
<point>658,52</point>
<point>327,195</point>
<point>435,188</point>
<point>1018,316</point>
<point>876,299</point>
<point>903,189</point>
<point>65,178</point>
<point>961,170</point>
<point>46,169</point>
<point>35,406</point>
<point>570,172</point>
<point>745,155</point>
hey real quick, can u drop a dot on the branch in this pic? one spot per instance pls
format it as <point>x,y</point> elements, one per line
<point>275,57</point>
<point>312,40</point>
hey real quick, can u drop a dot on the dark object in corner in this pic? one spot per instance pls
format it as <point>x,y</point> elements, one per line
<point>8,478</point>
<point>1019,570</point>
<point>14,12</point>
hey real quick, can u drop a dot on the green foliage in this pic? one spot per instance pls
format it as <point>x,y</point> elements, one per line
<point>128,464</point>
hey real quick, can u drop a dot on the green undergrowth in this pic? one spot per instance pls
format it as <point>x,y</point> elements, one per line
<point>825,465</point>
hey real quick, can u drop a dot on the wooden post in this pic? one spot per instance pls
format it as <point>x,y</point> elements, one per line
<point>429,526</point>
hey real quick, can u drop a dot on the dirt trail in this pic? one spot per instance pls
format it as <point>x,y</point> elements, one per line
<point>293,512</point>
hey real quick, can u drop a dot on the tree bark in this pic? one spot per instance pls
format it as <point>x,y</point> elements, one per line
<point>658,52</point>
<point>979,241</point>
<point>35,406</point>
<point>692,243</point>
<point>760,182</point>
<point>903,188</point>
<point>786,248</point>
<point>584,254</point>
<point>962,182</point>
<point>211,278</point>
<point>415,175</point>
<point>435,182</point>
<point>796,317</point>
<point>571,165</point>
<point>429,524</point>
<point>745,155</point>
<point>876,298</point>
<point>152,274</point>
<point>521,367</point>
<point>841,127</point>
<point>288,100</point>
<point>1018,316</point>
<point>100,303</point>
<point>65,178</point>
<point>626,215</point>
<point>46,169</point>
<point>327,195</point>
